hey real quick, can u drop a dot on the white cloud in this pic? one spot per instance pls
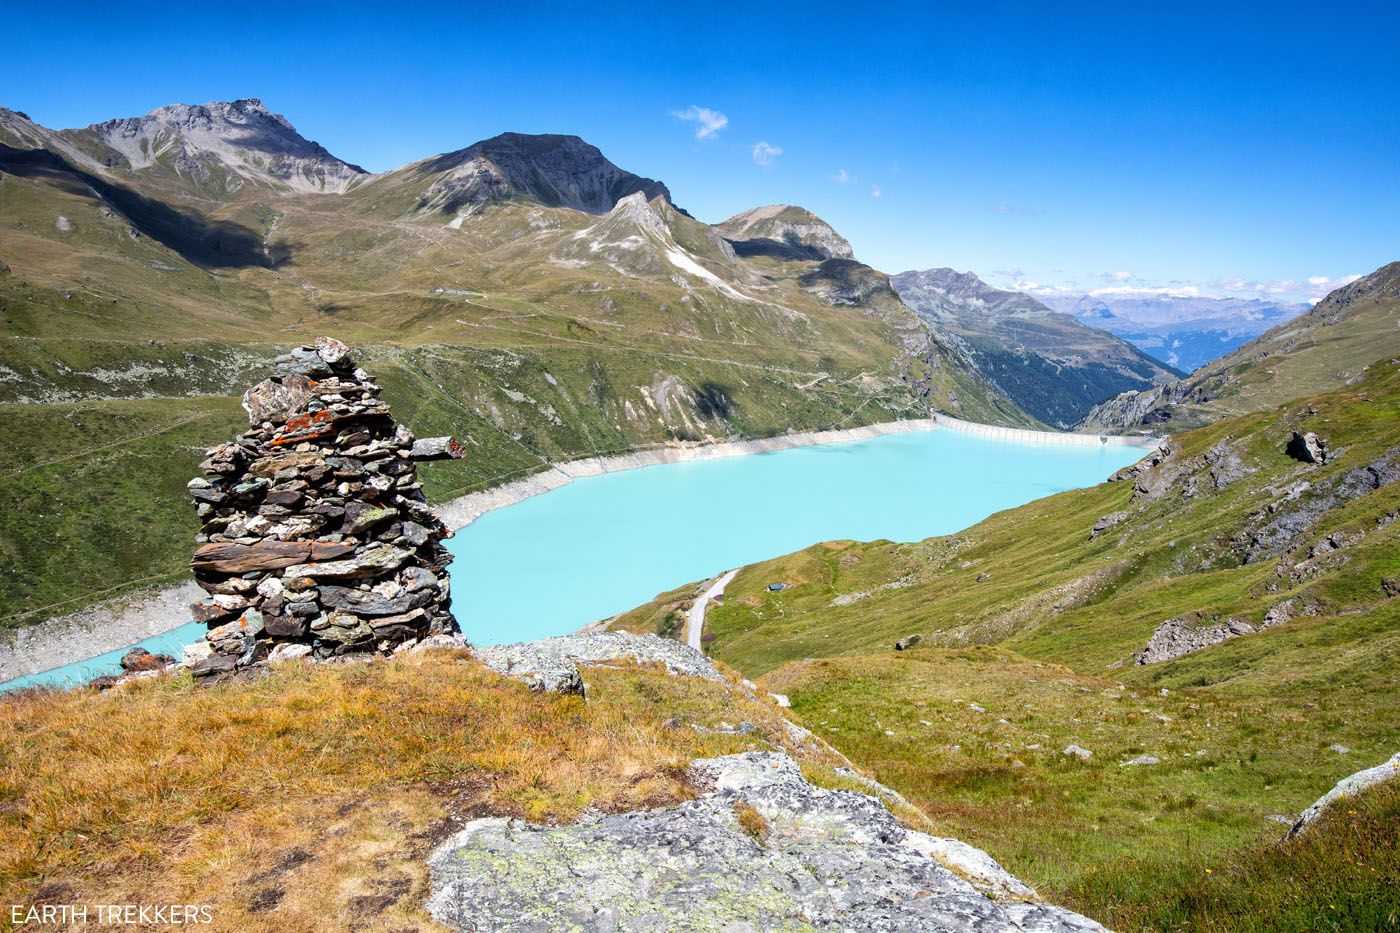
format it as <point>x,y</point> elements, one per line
<point>1126,285</point>
<point>1031,287</point>
<point>842,176</point>
<point>1174,291</point>
<point>764,153</point>
<point>875,192</point>
<point>710,121</point>
<point>1314,288</point>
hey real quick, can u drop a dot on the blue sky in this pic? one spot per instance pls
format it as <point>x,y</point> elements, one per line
<point>1238,148</point>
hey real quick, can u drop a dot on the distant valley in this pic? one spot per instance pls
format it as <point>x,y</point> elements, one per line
<point>1330,346</point>
<point>1181,331</point>
<point>1051,364</point>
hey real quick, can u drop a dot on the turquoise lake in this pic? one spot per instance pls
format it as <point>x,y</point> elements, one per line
<point>604,544</point>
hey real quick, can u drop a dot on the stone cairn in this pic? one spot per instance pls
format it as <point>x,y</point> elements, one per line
<point>317,539</point>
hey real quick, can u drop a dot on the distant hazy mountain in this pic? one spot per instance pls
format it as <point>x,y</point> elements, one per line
<point>1183,332</point>
<point>1352,328</point>
<point>1051,364</point>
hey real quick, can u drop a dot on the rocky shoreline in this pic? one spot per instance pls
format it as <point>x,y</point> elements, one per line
<point>152,611</point>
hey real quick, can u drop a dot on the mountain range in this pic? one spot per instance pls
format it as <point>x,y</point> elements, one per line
<point>523,291</point>
<point>1185,332</point>
<point>1051,364</point>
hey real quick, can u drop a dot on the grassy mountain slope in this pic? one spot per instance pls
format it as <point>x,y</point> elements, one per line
<point>1051,364</point>
<point>1315,352</point>
<point>1031,622</point>
<point>522,293</point>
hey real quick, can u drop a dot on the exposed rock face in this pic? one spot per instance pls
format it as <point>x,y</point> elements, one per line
<point>1106,522</point>
<point>1183,635</point>
<point>220,146</point>
<point>552,664</point>
<point>316,531</point>
<point>1346,787</point>
<point>1051,364</point>
<point>1226,464</point>
<point>830,860</point>
<point>549,169</point>
<point>1307,447</point>
<point>1282,527</point>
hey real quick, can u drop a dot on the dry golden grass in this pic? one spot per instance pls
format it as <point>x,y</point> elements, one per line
<point>751,821</point>
<point>310,798</point>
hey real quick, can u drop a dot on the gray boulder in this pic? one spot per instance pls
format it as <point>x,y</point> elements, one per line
<point>813,859</point>
<point>1346,787</point>
<point>551,664</point>
<point>1105,523</point>
<point>1307,447</point>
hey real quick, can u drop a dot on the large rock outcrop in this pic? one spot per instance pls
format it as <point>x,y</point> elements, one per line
<point>760,849</point>
<point>317,538</point>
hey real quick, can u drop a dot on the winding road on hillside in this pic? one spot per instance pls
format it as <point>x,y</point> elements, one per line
<point>695,620</point>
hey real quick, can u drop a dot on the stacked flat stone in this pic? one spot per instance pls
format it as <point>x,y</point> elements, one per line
<point>317,538</point>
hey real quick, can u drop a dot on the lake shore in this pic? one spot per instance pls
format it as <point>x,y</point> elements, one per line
<point>142,614</point>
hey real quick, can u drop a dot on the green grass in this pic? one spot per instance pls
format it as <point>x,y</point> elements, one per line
<point>1108,839</point>
<point>93,495</point>
<point>1342,875</point>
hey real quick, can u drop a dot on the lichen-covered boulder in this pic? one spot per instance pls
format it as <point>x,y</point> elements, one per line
<point>801,858</point>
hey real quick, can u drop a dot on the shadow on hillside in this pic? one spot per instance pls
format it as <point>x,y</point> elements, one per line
<point>712,400</point>
<point>776,249</point>
<point>206,242</point>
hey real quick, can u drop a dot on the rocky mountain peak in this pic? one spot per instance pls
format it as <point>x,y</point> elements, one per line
<point>1383,283</point>
<point>549,169</point>
<point>220,146</point>
<point>785,232</point>
<point>19,130</point>
<point>938,294</point>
